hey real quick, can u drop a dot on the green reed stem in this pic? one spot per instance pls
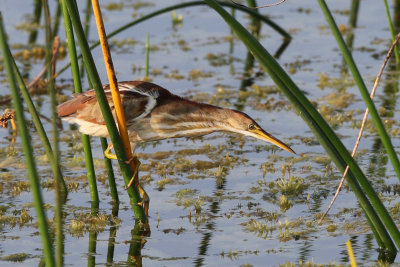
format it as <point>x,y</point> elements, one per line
<point>146,70</point>
<point>86,27</point>
<point>72,50</point>
<point>355,4</point>
<point>266,20</point>
<point>110,173</point>
<point>94,195</point>
<point>321,129</point>
<point>27,150</point>
<point>60,185</point>
<point>37,13</point>
<point>108,164</point>
<point>255,22</point>
<point>56,25</point>
<point>105,109</point>
<point>392,33</point>
<point>52,94</point>
<point>59,230</point>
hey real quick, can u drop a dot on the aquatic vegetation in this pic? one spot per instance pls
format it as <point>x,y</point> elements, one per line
<point>285,203</point>
<point>85,222</point>
<point>258,228</point>
<point>17,257</point>
<point>310,264</point>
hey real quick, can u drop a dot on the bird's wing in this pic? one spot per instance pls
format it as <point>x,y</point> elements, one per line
<point>138,100</point>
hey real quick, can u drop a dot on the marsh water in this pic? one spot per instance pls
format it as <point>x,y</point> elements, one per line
<point>217,200</point>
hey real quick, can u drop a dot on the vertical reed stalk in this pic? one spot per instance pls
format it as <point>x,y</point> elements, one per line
<point>103,141</point>
<point>392,33</point>
<point>355,6</point>
<point>52,92</point>
<point>56,25</point>
<point>86,28</point>
<point>28,152</point>
<point>94,195</point>
<point>110,173</point>
<point>37,13</point>
<point>112,129</point>
<point>60,184</point>
<point>108,164</point>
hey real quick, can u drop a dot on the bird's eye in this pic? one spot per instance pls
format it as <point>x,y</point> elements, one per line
<point>252,127</point>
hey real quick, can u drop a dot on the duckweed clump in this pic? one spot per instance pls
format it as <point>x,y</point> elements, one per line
<point>285,203</point>
<point>189,198</point>
<point>18,217</point>
<point>85,222</point>
<point>17,257</point>
<point>262,230</point>
<point>291,186</point>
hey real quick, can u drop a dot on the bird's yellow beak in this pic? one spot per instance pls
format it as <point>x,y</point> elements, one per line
<point>263,135</point>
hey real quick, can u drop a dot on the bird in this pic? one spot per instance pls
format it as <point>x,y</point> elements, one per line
<point>153,113</point>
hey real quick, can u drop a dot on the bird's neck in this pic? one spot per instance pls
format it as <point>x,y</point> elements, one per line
<point>207,119</point>
<point>188,119</point>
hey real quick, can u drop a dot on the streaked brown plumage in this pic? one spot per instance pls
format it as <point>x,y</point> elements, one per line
<point>153,113</point>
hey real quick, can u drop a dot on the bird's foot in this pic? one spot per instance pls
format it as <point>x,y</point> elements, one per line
<point>108,154</point>
<point>136,162</point>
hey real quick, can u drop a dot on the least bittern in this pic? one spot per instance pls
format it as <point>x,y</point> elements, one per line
<point>153,113</point>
